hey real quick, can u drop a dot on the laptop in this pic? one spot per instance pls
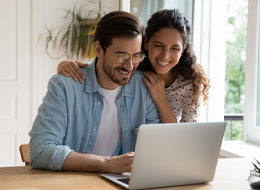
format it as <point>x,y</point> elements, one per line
<point>173,155</point>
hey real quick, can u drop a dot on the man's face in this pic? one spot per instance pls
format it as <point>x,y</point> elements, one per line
<point>119,61</point>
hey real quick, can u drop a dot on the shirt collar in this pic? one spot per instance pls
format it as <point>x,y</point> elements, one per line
<point>91,84</point>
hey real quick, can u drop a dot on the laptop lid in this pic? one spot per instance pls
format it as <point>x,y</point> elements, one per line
<point>175,154</point>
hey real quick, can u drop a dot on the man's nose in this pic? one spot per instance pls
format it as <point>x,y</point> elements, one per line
<point>129,65</point>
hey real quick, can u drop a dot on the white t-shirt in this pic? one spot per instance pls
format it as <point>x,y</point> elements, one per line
<point>109,134</point>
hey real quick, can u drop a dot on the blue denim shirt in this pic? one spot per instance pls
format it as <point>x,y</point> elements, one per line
<point>69,117</point>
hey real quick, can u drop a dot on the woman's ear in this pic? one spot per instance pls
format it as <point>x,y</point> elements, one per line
<point>98,48</point>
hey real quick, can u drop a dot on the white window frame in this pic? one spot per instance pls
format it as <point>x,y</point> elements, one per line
<point>210,46</point>
<point>251,131</point>
<point>124,5</point>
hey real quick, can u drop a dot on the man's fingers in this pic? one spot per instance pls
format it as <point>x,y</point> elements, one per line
<point>120,164</point>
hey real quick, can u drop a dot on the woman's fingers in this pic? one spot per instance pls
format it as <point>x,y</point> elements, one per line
<point>148,77</point>
<point>148,84</point>
<point>152,77</point>
<point>76,74</point>
<point>63,72</point>
<point>80,64</point>
<point>69,72</point>
<point>72,69</point>
<point>77,71</point>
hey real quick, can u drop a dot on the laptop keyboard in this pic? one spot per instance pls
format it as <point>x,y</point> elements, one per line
<point>124,180</point>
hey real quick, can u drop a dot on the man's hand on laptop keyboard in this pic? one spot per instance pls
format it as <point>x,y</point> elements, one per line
<point>118,164</point>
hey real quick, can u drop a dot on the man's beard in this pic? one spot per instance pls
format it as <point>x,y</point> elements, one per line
<point>109,72</point>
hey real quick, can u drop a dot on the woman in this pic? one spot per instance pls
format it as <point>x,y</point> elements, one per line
<point>175,81</point>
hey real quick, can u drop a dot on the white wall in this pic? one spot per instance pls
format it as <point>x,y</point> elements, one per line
<point>25,67</point>
<point>14,78</point>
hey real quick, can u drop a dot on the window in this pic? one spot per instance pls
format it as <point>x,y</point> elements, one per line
<point>252,79</point>
<point>145,8</point>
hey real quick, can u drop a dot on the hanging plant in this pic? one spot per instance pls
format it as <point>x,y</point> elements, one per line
<point>75,38</point>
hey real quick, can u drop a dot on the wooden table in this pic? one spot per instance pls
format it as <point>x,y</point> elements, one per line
<point>231,174</point>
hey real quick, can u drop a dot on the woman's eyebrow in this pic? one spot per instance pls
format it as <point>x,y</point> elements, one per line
<point>174,45</point>
<point>157,42</point>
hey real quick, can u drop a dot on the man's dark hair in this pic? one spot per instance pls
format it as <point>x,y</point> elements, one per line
<point>117,24</point>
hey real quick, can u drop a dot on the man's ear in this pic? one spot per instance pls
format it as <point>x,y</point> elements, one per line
<point>98,48</point>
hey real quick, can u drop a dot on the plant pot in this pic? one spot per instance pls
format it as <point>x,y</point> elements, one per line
<point>254,179</point>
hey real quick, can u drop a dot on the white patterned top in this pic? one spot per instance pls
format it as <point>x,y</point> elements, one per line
<point>180,97</point>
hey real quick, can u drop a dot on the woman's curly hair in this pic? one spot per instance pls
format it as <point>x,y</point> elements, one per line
<point>187,66</point>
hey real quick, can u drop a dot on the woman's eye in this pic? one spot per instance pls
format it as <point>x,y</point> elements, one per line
<point>159,46</point>
<point>175,49</point>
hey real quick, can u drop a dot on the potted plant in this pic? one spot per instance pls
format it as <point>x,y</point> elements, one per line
<point>75,37</point>
<point>254,178</point>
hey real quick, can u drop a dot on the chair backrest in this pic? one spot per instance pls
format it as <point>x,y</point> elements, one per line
<point>25,153</point>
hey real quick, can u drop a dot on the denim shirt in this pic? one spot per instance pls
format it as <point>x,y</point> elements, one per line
<point>69,117</point>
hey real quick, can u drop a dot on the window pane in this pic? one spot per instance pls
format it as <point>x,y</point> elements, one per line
<point>145,8</point>
<point>258,75</point>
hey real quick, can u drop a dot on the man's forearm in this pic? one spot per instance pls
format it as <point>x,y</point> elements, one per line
<point>95,163</point>
<point>83,162</point>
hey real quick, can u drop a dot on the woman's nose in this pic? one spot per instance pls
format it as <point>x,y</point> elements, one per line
<point>165,54</point>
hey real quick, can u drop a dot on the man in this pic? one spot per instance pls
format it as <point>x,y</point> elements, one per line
<point>93,126</point>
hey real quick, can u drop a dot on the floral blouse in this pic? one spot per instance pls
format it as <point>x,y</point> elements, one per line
<point>180,98</point>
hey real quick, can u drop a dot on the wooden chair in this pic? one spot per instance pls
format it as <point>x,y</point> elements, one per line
<point>25,153</point>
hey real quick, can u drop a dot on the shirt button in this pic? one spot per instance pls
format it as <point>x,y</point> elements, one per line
<point>121,105</point>
<point>98,103</point>
<point>94,130</point>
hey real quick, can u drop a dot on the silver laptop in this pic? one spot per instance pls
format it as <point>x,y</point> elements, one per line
<point>173,155</point>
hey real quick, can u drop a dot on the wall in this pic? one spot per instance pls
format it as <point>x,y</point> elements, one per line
<point>14,78</point>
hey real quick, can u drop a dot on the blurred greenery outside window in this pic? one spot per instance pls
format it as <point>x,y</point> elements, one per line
<point>235,66</point>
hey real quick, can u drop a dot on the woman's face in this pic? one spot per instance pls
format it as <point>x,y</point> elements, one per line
<point>164,48</point>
